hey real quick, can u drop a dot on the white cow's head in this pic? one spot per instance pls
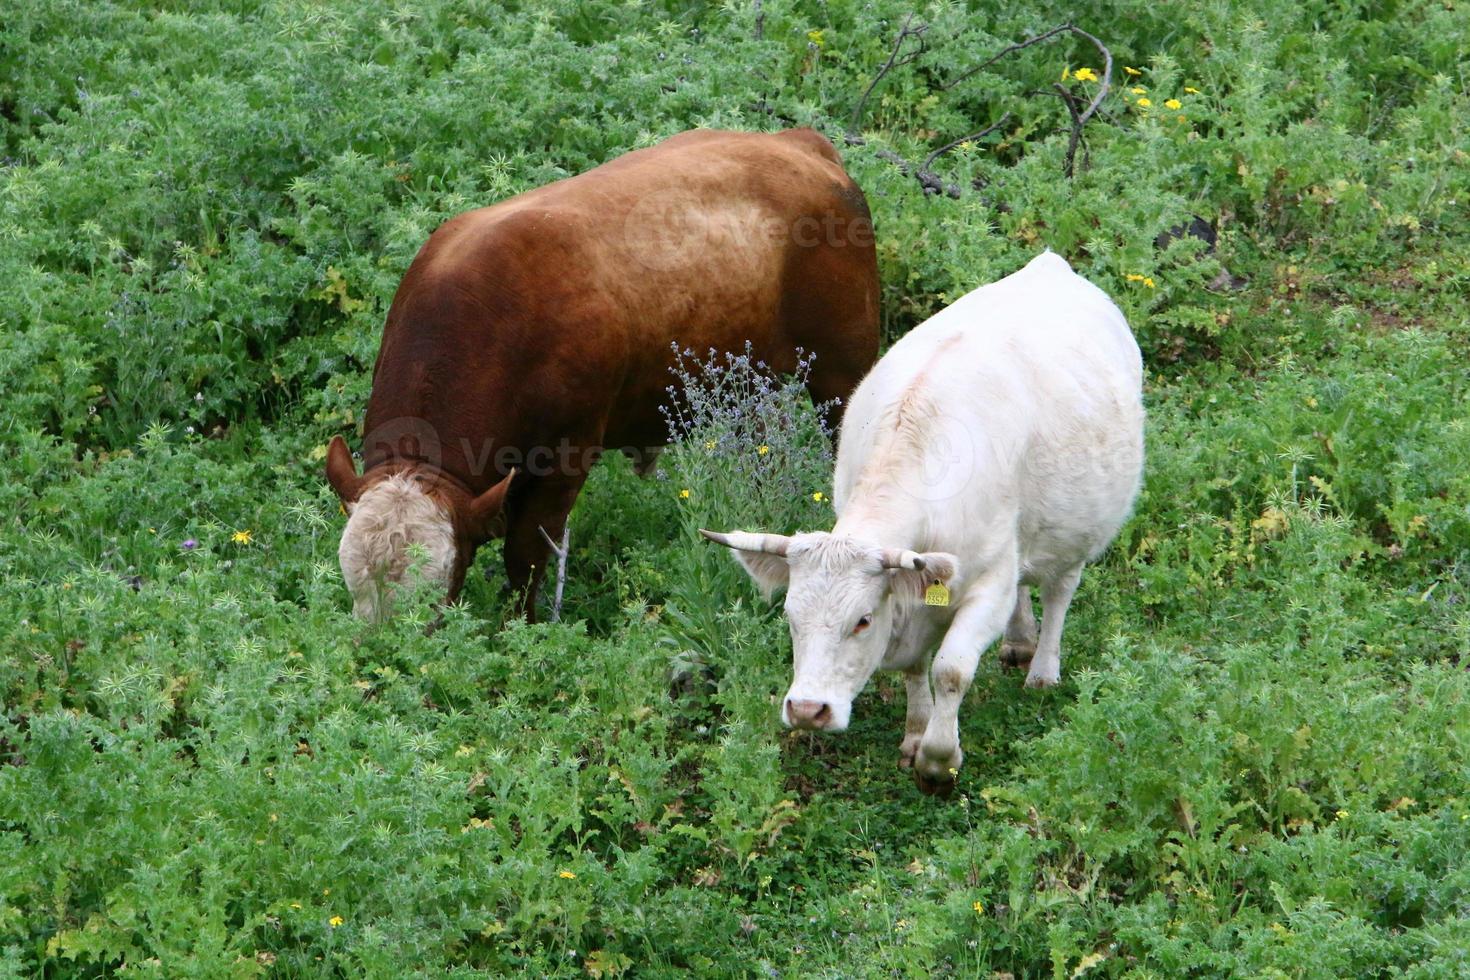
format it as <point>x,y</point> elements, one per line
<point>842,600</point>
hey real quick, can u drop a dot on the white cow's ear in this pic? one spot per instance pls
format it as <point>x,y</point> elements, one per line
<point>938,566</point>
<point>770,572</point>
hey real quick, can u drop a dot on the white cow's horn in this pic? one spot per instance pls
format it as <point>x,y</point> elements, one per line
<point>894,558</point>
<point>770,544</point>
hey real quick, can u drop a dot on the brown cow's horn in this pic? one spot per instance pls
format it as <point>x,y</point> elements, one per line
<point>770,544</point>
<point>894,558</point>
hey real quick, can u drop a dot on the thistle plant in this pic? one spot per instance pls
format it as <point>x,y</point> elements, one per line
<point>748,447</point>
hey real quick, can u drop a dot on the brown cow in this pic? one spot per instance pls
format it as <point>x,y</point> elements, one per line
<point>527,336</point>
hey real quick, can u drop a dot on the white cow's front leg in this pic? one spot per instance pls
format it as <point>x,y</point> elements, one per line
<point>976,624</point>
<point>1056,596</point>
<point>921,706</point>
<point>908,651</point>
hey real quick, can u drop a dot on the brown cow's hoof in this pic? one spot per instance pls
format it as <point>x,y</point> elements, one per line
<point>1015,656</point>
<point>930,786</point>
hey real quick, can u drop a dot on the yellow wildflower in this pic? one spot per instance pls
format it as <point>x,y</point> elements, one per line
<point>1065,74</point>
<point>334,921</point>
<point>817,496</point>
<point>762,450</point>
<point>710,444</point>
<point>1191,91</point>
<point>326,891</point>
<point>296,905</point>
<point>684,494</point>
<point>1172,104</point>
<point>1148,281</point>
<point>1138,90</point>
<point>241,537</point>
<point>1132,71</point>
<point>979,908</point>
<point>566,874</point>
<point>1085,75</point>
<point>1134,277</point>
<point>1341,814</point>
<point>815,37</point>
<point>1144,103</point>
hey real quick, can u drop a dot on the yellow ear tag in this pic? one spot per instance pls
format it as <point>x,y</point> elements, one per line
<point>936,595</point>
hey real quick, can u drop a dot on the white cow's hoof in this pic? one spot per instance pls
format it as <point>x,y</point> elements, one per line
<point>1042,680</point>
<point>929,786</point>
<point>936,771</point>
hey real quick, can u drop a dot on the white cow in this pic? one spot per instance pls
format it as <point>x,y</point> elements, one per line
<point>997,446</point>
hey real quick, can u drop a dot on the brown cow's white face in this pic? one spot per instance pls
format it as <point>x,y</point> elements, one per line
<point>842,600</point>
<point>384,523</point>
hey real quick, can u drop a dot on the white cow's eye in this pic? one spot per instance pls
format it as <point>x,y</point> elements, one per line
<point>863,624</point>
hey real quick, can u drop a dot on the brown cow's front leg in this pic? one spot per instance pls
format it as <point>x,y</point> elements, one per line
<point>544,504</point>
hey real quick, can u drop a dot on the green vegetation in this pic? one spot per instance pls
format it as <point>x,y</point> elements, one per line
<point>1258,763</point>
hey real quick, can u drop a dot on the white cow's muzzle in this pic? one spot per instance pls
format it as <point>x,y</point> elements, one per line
<point>815,710</point>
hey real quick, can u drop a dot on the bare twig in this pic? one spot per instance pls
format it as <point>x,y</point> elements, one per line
<point>924,167</point>
<point>1107,78</point>
<point>1069,98</point>
<point>561,566</point>
<point>931,182</point>
<point>1070,101</point>
<point>1005,51</point>
<point>894,61</point>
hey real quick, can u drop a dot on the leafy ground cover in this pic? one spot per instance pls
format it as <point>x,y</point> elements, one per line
<point>1258,762</point>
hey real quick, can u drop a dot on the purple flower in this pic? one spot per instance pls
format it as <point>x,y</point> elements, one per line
<point>189,544</point>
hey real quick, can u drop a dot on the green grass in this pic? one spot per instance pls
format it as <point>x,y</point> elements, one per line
<point>1258,763</point>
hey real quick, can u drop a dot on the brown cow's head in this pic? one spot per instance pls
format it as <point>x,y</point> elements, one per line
<point>395,507</point>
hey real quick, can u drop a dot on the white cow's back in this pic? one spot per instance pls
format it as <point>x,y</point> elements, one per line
<point>1012,418</point>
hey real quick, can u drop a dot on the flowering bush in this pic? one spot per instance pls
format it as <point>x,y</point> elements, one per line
<point>749,449</point>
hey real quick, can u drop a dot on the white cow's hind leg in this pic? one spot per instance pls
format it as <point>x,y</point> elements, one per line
<point>975,626</point>
<point>1020,642</point>
<point>1056,596</point>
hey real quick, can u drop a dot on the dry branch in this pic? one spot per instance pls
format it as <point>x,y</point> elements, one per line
<point>561,566</point>
<point>894,61</point>
<point>1069,98</point>
<point>924,167</point>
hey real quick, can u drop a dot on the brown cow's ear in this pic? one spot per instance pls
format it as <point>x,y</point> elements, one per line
<point>484,515</point>
<point>342,472</point>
